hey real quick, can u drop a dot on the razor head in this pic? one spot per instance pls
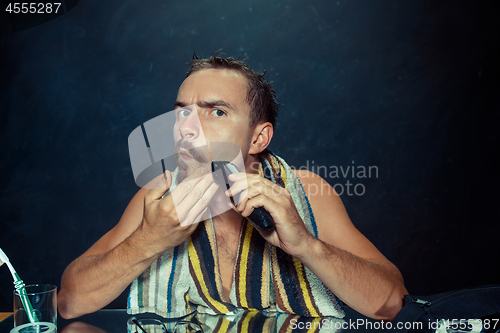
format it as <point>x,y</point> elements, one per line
<point>259,217</point>
<point>226,168</point>
<point>221,171</point>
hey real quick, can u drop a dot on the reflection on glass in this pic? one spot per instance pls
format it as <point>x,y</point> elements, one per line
<point>150,325</point>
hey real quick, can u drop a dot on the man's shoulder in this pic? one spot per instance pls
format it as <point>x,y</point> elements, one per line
<point>314,185</point>
<point>308,177</point>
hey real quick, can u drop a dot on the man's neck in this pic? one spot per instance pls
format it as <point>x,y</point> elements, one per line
<point>252,163</point>
<point>229,220</point>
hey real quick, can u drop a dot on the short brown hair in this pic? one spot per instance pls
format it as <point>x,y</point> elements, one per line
<point>260,95</point>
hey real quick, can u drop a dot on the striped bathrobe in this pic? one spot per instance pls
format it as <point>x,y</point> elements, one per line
<point>186,278</point>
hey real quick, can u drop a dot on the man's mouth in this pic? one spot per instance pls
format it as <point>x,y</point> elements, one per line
<point>184,154</point>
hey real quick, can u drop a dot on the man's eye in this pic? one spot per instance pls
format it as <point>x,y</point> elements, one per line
<point>184,113</point>
<point>218,113</point>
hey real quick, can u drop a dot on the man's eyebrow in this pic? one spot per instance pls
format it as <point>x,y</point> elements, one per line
<point>205,104</point>
<point>179,104</point>
<point>211,104</point>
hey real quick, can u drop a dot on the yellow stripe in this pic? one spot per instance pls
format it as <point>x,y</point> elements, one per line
<point>315,325</point>
<point>243,265</point>
<point>199,275</point>
<point>246,321</point>
<point>186,299</point>
<point>279,282</point>
<point>283,174</point>
<point>303,286</point>
<point>224,325</point>
<point>265,286</point>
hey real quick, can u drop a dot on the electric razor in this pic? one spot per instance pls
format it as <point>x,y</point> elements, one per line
<point>260,217</point>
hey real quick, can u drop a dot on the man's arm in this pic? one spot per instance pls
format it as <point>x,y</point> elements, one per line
<point>342,258</point>
<point>345,260</point>
<point>149,226</point>
<point>99,275</point>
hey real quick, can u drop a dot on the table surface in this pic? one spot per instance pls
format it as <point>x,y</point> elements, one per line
<point>110,321</point>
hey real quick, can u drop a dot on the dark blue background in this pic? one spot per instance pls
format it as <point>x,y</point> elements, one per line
<point>411,87</point>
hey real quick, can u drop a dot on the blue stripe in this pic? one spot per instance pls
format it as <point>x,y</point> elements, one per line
<point>206,259</point>
<point>311,215</point>
<point>257,246</point>
<point>291,283</point>
<point>140,284</point>
<point>171,281</point>
<point>267,170</point>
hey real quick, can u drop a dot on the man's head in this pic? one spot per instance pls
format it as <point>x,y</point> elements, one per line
<point>260,95</point>
<point>223,100</point>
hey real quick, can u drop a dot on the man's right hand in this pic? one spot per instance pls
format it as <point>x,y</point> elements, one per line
<point>169,221</point>
<point>149,226</point>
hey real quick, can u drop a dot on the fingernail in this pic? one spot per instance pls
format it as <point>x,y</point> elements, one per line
<point>203,170</point>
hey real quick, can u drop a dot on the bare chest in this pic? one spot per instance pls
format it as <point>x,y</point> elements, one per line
<point>227,251</point>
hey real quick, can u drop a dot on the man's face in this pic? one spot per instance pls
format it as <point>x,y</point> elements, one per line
<point>220,113</point>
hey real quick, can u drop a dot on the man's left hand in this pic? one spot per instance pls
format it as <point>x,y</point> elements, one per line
<point>290,233</point>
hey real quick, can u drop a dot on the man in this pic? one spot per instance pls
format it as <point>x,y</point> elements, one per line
<point>234,104</point>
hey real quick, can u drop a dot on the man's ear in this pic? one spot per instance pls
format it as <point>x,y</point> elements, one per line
<point>261,137</point>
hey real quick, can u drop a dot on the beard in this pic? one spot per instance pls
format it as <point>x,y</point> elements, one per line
<point>199,157</point>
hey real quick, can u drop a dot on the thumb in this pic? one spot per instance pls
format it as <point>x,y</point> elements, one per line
<point>161,186</point>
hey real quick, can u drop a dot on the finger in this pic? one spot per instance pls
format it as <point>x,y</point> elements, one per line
<point>195,204</point>
<point>250,193</point>
<point>238,175</point>
<point>192,214</point>
<point>164,182</point>
<point>243,198</point>
<point>242,184</point>
<point>237,187</point>
<point>256,202</point>
<point>264,195</point>
<point>232,206</point>
<point>201,216</point>
<point>198,219</point>
<point>188,184</point>
<point>161,187</point>
<point>192,192</point>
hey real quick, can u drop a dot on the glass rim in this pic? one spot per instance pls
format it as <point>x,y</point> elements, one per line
<point>148,321</point>
<point>51,288</point>
<point>140,322</point>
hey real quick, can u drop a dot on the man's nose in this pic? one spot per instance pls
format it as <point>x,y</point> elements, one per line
<point>190,128</point>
